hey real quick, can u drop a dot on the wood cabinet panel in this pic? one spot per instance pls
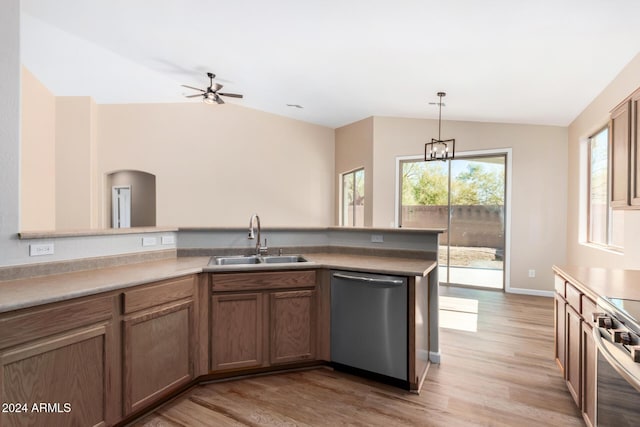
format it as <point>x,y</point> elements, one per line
<point>620,136</point>
<point>237,282</point>
<point>30,325</point>
<point>71,371</point>
<point>157,348</point>
<point>574,298</point>
<point>559,284</point>
<point>634,172</point>
<point>573,356</point>
<point>589,361</point>
<point>236,331</point>
<point>292,326</point>
<point>158,294</point>
<point>560,312</point>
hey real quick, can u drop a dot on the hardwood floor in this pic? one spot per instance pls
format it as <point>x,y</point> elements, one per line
<point>502,375</point>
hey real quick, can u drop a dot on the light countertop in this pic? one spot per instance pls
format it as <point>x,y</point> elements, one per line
<point>603,282</point>
<point>23,293</point>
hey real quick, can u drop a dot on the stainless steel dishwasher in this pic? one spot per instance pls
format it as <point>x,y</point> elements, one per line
<point>369,325</point>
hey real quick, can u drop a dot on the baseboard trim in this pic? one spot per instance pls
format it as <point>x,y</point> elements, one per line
<point>532,292</point>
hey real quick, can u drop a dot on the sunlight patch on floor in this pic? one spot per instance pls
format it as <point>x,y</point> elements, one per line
<point>459,313</point>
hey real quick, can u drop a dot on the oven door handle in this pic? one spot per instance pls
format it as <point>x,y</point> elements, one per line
<point>618,359</point>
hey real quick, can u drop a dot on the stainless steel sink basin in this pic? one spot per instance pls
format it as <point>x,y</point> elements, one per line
<point>234,260</point>
<point>253,259</point>
<point>277,259</point>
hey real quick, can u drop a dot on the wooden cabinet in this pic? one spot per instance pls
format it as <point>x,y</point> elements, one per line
<point>237,323</point>
<point>560,339</point>
<point>262,319</point>
<point>158,341</point>
<point>634,170</point>
<point>575,347</point>
<point>60,358</point>
<point>620,137</point>
<point>292,326</point>
<point>573,356</point>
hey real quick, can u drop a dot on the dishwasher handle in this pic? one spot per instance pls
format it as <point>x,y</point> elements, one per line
<point>371,280</point>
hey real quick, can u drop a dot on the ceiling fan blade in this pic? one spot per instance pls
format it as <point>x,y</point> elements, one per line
<point>194,88</point>
<point>219,100</point>
<point>193,96</point>
<point>232,95</point>
<point>218,86</point>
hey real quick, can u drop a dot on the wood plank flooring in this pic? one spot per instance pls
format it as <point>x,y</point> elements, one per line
<point>501,375</point>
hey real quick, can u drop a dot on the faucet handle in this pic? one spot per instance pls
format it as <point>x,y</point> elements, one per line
<point>264,249</point>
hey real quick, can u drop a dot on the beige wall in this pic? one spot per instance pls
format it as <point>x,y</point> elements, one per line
<point>37,156</point>
<point>354,150</point>
<point>539,183</point>
<point>217,165</point>
<point>76,149</point>
<point>593,118</point>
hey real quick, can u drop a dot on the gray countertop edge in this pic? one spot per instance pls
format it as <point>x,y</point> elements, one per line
<point>116,278</point>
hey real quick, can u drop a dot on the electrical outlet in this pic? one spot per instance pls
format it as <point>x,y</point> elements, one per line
<point>41,249</point>
<point>532,273</point>
<point>149,241</point>
<point>168,240</point>
<point>377,238</point>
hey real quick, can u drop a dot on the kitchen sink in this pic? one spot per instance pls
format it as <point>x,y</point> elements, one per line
<point>253,259</point>
<point>234,260</point>
<point>277,259</point>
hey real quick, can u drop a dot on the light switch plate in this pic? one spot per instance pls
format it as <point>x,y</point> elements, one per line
<point>168,240</point>
<point>377,238</point>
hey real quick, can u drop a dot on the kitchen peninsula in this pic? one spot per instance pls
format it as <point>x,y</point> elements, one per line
<point>138,334</point>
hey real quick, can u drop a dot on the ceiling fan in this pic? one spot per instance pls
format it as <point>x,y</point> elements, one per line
<point>211,95</point>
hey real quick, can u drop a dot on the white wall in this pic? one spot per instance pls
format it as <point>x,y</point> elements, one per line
<point>593,118</point>
<point>10,247</point>
<point>538,204</point>
<point>215,165</point>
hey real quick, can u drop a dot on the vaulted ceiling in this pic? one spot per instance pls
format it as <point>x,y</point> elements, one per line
<point>538,62</point>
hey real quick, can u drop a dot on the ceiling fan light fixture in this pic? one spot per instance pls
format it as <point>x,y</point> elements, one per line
<point>439,149</point>
<point>209,98</point>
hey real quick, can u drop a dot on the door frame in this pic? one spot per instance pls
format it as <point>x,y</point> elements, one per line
<point>114,188</point>
<point>507,152</point>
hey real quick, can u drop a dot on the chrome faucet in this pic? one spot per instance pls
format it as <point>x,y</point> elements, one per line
<point>260,250</point>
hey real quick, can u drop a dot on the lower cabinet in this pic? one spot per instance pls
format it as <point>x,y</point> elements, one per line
<point>575,348</point>
<point>272,321</point>
<point>56,365</point>
<point>237,324</point>
<point>158,342</point>
<point>292,326</point>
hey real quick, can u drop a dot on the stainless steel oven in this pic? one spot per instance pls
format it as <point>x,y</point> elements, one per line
<point>617,338</point>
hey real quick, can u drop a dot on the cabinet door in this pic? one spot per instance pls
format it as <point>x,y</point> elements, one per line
<point>573,351</point>
<point>292,326</point>
<point>634,176</point>
<point>620,131</point>
<point>158,347</point>
<point>67,372</point>
<point>236,331</point>
<point>589,362</point>
<point>560,344</point>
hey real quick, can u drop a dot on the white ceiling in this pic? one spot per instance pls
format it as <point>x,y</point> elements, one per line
<point>535,61</point>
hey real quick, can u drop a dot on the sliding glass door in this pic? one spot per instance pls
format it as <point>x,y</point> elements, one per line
<point>467,196</point>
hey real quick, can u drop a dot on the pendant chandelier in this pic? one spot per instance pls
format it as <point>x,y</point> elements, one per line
<point>439,149</point>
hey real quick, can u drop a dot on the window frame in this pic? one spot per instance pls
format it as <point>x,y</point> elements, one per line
<point>343,175</point>
<point>608,221</point>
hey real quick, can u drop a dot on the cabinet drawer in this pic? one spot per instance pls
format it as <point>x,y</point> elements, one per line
<point>588,308</point>
<point>263,280</point>
<point>573,297</point>
<point>559,285</point>
<point>158,294</point>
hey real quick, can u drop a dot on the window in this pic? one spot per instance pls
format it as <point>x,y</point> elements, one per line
<point>606,225</point>
<point>352,212</point>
